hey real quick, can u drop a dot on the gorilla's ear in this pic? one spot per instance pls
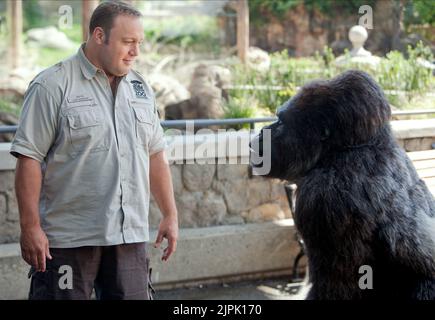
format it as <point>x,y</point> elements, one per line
<point>325,134</point>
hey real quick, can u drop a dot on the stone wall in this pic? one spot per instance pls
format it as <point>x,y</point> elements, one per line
<point>212,194</point>
<point>222,194</point>
<point>9,223</point>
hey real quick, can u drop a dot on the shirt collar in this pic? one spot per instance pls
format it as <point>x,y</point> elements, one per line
<point>88,69</point>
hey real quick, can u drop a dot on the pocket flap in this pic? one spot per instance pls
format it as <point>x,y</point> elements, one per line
<point>142,115</point>
<point>78,102</point>
<point>83,120</point>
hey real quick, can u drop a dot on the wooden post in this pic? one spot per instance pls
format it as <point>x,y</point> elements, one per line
<point>242,29</point>
<point>88,6</point>
<point>15,9</point>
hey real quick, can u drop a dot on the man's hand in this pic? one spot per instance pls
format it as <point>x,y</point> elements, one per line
<point>34,247</point>
<point>168,229</point>
<point>162,190</point>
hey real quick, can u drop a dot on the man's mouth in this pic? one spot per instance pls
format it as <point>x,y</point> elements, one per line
<point>128,61</point>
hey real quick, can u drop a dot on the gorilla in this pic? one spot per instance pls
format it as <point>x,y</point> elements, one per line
<point>361,208</point>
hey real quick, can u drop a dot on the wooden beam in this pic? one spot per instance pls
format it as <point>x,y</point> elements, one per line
<point>242,29</point>
<point>15,9</point>
<point>88,6</point>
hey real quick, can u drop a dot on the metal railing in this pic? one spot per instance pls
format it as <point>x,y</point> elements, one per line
<point>201,123</point>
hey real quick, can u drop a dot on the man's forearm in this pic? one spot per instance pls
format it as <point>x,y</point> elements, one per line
<point>28,178</point>
<point>161,184</point>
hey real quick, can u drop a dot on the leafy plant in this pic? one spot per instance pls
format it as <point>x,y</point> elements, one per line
<point>240,107</point>
<point>403,78</point>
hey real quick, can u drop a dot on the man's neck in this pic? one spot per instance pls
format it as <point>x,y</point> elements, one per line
<point>91,56</point>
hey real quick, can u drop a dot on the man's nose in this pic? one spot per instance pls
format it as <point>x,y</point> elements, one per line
<point>135,50</point>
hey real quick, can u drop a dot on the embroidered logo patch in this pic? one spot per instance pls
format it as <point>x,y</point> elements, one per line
<point>138,89</point>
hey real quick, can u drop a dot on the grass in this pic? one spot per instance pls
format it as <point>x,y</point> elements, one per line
<point>9,105</point>
<point>48,56</point>
<point>75,33</point>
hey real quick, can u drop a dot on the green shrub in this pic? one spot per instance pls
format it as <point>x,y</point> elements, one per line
<point>394,73</point>
<point>240,107</point>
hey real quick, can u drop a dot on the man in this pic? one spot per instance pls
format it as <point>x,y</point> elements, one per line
<point>90,150</point>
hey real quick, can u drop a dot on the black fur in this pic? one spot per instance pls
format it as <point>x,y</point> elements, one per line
<point>359,199</point>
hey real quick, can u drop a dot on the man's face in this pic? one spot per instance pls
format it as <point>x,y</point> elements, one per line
<point>119,53</point>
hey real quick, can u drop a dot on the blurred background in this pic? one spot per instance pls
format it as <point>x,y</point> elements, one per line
<point>287,43</point>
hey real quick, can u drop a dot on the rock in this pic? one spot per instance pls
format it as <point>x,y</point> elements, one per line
<point>206,95</point>
<point>212,209</point>
<point>265,212</point>
<point>258,59</point>
<point>277,189</point>
<point>235,194</point>
<point>231,172</point>
<point>168,91</point>
<point>7,179</point>
<point>3,208</point>
<point>258,192</point>
<point>9,232</point>
<point>187,206</point>
<point>177,179</point>
<point>12,214</point>
<point>198,177</point>
<point>154,215</point>
<point>50,37</point>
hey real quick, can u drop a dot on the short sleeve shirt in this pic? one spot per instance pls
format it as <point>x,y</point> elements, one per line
<point>94,151</point>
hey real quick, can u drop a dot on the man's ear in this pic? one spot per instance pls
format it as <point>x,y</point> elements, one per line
<point>99,35</point>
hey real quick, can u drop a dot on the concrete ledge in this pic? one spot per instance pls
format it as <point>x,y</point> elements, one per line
<point>407,129</point>
<point>7,161</point>
<point>203,255</point>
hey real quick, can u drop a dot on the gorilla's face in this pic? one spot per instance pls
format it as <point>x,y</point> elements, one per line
<point>324,118</point>
<point>292,152</point>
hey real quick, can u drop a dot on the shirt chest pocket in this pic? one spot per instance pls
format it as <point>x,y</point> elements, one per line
<point>85,129</point>
<point>143,122</point>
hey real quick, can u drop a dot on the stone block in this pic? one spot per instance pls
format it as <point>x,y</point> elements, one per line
<point>232,171</point>
<point>198,177</point>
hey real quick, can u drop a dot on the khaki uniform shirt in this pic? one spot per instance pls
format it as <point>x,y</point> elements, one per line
<point>94,150</point>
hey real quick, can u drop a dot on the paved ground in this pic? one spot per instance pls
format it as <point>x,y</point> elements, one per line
<point>270,289</point>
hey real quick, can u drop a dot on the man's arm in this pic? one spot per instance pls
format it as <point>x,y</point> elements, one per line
<point>34,242</point>
<point>162,190</point>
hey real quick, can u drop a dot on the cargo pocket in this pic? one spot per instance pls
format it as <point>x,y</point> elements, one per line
<point>86,130</point>
<point>143,122</point>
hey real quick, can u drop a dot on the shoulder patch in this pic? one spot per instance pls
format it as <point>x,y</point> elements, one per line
<point>138,89</point>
